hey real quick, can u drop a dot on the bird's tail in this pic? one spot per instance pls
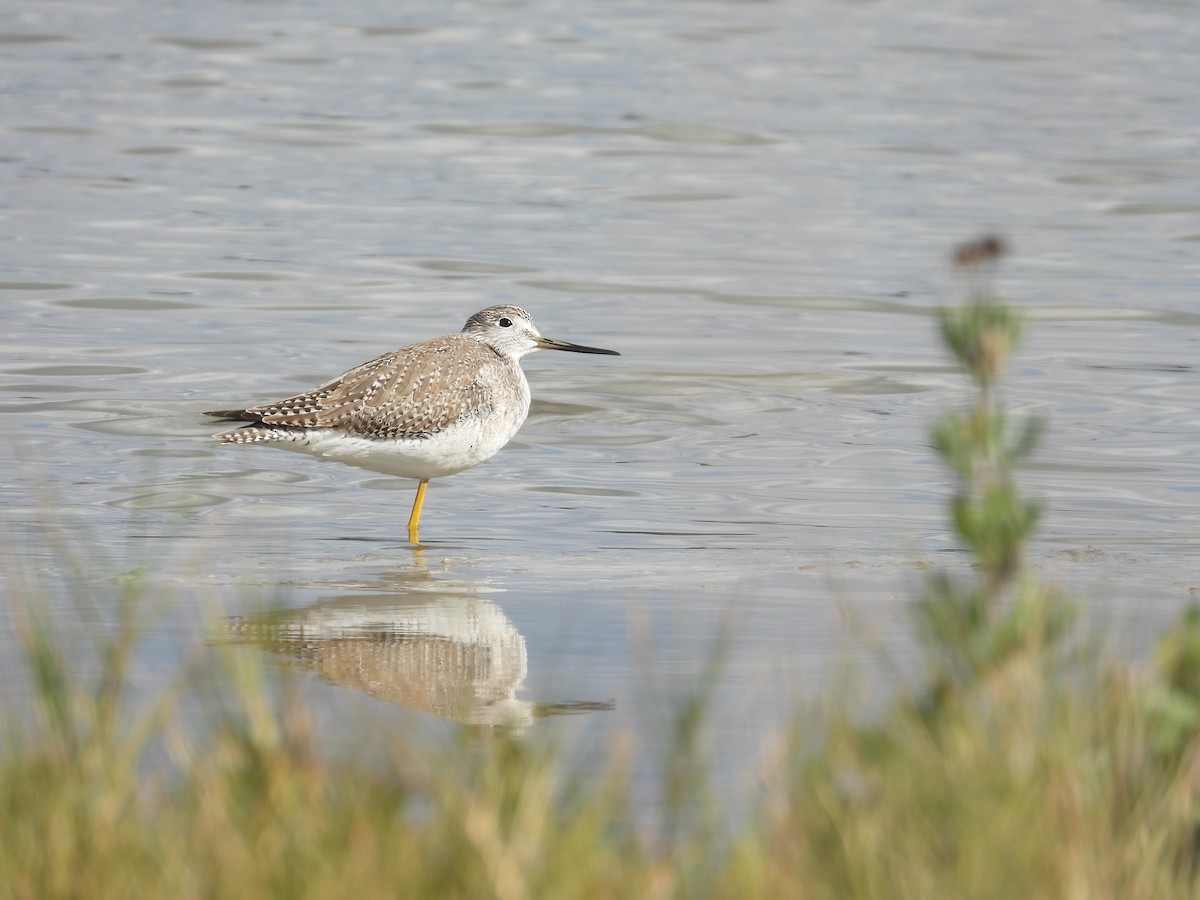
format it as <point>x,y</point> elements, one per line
<point>233,415</point>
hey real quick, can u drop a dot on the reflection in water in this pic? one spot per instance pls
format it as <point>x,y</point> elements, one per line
<point>454,655</point>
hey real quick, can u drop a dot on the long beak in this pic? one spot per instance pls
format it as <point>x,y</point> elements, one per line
<point>551,344</point>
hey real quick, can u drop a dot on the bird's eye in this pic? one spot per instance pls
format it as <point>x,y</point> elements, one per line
<point>505,322</point>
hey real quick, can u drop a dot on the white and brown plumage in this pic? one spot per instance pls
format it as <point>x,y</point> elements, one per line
<point>424,411</point>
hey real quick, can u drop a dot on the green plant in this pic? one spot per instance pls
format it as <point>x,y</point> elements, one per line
<point>973,626</point>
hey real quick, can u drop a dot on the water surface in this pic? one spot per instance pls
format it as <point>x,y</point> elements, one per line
<point>222,205</point>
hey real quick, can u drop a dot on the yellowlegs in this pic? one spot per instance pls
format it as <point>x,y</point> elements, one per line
<point>424,411</point>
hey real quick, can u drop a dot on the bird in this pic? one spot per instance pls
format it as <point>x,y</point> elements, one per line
<point>423,411</point>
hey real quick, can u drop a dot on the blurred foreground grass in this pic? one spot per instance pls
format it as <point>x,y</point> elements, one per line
<point>1022,763</point>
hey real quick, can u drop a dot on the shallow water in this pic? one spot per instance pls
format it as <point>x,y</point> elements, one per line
<point>206,207</point>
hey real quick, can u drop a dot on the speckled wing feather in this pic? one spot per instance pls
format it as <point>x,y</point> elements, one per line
<point>408,393</point>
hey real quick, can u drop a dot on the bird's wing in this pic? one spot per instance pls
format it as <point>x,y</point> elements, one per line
<point>408,393</point>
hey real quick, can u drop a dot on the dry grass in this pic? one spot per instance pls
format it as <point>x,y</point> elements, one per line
<point>1055,774</point>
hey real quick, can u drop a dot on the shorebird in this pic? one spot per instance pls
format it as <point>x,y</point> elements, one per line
<point>423,411</point>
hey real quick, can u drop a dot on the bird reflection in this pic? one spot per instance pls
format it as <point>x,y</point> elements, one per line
<point>455,655</point>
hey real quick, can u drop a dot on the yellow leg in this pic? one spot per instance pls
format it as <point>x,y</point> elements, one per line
<point>414,521</point>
